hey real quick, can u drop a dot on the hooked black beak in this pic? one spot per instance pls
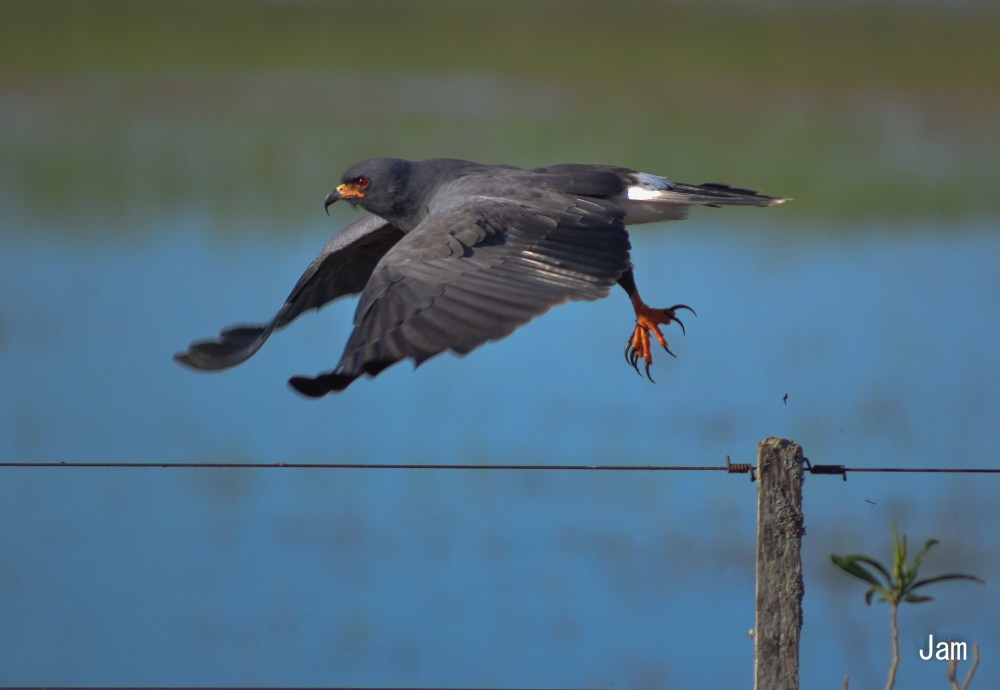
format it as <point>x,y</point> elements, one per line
<point>330,198</point>
<point>348,190</point>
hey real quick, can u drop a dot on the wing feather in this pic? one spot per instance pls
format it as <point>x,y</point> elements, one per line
<point>343,267</point>
<point>474,272</point>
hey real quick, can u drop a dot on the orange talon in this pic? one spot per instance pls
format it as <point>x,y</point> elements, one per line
<point>648,321</point>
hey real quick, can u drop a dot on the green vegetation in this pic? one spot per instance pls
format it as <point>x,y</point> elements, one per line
<point>254,108</point>
<point>906,49</point>
<point>897,586</point>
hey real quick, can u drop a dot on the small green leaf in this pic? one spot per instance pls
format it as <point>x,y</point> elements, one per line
<point>898,557</point>
<point>911,572</point>
<point>945,578</point>
<point>917,598</point>
<point>849,564</point>
<point>875,564</point>
<point>883,594</point>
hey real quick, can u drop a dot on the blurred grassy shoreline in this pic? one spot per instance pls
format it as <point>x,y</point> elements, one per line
<point>913,48</point>
<point>253,108</point>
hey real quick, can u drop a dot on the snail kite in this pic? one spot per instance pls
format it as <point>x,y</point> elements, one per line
<point>452,254</point>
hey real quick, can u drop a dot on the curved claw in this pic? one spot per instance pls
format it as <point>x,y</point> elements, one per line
<point>676,320</point>
<point>647,320</point>
<point>631,356</point>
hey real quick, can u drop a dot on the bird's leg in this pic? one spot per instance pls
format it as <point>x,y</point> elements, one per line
<point>647,322</point>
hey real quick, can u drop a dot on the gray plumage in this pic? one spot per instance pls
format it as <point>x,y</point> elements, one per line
<point>342,268</point>
<point>452,254</point>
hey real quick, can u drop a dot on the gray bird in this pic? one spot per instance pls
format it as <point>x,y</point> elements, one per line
<point>452,254</point>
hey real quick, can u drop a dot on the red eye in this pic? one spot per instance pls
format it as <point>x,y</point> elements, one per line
<point>361,182</point>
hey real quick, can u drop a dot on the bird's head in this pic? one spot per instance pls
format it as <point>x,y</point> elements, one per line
<point>376,184</point>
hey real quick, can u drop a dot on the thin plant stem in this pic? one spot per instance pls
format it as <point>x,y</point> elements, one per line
<point>895,646</point>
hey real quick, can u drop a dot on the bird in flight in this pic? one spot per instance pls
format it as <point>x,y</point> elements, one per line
<point>452,254</point>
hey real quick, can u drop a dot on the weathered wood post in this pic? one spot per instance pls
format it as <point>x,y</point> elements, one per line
<point>780,526</point>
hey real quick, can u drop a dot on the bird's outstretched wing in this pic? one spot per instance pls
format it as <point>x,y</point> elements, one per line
<point>474,272</point>
<point>342,268</point>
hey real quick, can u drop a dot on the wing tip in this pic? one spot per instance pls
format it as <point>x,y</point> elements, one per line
<point>184,359</point>
<point>199,357</point>
<point>321,385</point>
<point>234,345</point>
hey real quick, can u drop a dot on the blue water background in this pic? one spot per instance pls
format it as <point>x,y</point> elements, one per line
<point>883,342</point>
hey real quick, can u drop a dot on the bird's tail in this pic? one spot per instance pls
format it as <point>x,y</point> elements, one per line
<point>650,198</point>
<point>714,194</point>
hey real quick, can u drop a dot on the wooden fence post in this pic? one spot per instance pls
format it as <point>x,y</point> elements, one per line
<point>780,526</point>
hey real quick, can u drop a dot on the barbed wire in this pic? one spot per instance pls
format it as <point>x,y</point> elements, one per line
<point>729,467</point>
<point>358,466</point>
